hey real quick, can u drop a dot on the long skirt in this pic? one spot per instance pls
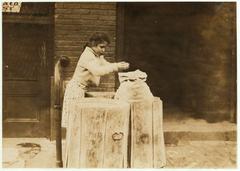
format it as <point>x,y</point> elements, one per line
<point>72,95</point>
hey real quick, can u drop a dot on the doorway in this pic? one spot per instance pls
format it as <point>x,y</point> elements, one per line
<point>27,58</point>
<point>177,45</point>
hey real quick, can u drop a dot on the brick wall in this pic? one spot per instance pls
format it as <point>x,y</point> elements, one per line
<point>75,22</point>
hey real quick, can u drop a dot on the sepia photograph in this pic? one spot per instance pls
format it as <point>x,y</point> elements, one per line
<point>119,84</point>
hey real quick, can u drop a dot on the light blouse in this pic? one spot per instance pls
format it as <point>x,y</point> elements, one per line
<point>88,71</point>
<point>90,67</point>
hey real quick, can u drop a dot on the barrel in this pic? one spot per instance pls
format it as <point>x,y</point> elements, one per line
<point>98,134</point>
<point>147,149</point>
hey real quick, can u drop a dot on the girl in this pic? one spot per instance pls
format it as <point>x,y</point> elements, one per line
<point>90,67</point>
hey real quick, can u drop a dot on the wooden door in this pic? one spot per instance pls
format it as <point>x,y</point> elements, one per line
<point>25,80</point>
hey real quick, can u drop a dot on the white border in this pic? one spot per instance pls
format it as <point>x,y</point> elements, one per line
<point>238,77</point>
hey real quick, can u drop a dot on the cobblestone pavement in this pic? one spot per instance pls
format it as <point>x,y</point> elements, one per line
<point>185,154</point>
<point>202,154</point>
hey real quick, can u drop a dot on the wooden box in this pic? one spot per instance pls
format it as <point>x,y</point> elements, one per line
<point>147,149</point>
<point>97,137</point>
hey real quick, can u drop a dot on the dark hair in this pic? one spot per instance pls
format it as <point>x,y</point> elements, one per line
<point>64,61</point>
<point>97,38</point>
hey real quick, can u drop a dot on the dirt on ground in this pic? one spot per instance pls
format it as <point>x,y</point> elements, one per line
<point>202,154</point>
<point>184,154</point>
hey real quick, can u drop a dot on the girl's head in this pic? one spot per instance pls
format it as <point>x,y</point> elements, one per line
<point>64,61</point>
<point>98,43</point>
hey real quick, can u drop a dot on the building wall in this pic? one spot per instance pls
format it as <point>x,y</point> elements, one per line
<point>189,53</point>
<point>210,75</point>
<point>187,49</point>
<point>75,22</point>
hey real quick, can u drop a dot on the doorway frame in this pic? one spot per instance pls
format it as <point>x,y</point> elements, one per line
<point>41,20</point>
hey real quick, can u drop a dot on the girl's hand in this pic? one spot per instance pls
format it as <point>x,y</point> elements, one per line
<point>123,65</point>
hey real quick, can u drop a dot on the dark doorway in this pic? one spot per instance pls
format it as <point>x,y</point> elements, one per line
<point>188,51</point>
<point>26,95</point>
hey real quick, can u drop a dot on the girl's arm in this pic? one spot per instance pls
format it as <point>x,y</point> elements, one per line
<point>99,70</point>
<point>89,61</point>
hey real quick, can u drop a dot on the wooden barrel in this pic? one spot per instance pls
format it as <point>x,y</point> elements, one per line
<point>97,137</point>
<point>147,140</point>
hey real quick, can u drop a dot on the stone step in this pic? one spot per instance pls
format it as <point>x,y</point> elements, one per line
<point>172,137</point>
<point>190,129</point>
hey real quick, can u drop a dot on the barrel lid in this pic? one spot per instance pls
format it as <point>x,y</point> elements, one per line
<point>101,102</point>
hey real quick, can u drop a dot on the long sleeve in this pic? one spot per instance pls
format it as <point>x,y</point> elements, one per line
<point>98,69</point>
<point>103,60</point>
<point>98,66</point>
<point>90,68</point>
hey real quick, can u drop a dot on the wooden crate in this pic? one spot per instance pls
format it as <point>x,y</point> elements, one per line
<point>147,141</point>
<point>97,137</point>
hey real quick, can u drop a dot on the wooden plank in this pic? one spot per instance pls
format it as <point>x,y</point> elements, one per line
<point>93,128</point>
<point>159,156</point>
<point>52,114</point>
<point>75,138</point>
<point>115,147</point>
<point>141,120</point>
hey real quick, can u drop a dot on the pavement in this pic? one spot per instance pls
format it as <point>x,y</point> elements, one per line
<point>190,143</point>
<point>28,153</point>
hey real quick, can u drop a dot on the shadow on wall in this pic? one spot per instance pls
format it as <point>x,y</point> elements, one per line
<point>189,55</point>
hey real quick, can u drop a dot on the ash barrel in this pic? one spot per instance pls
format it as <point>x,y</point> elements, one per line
<point>97,134</point>
<point>146,143</point>
<point>147,139</point>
